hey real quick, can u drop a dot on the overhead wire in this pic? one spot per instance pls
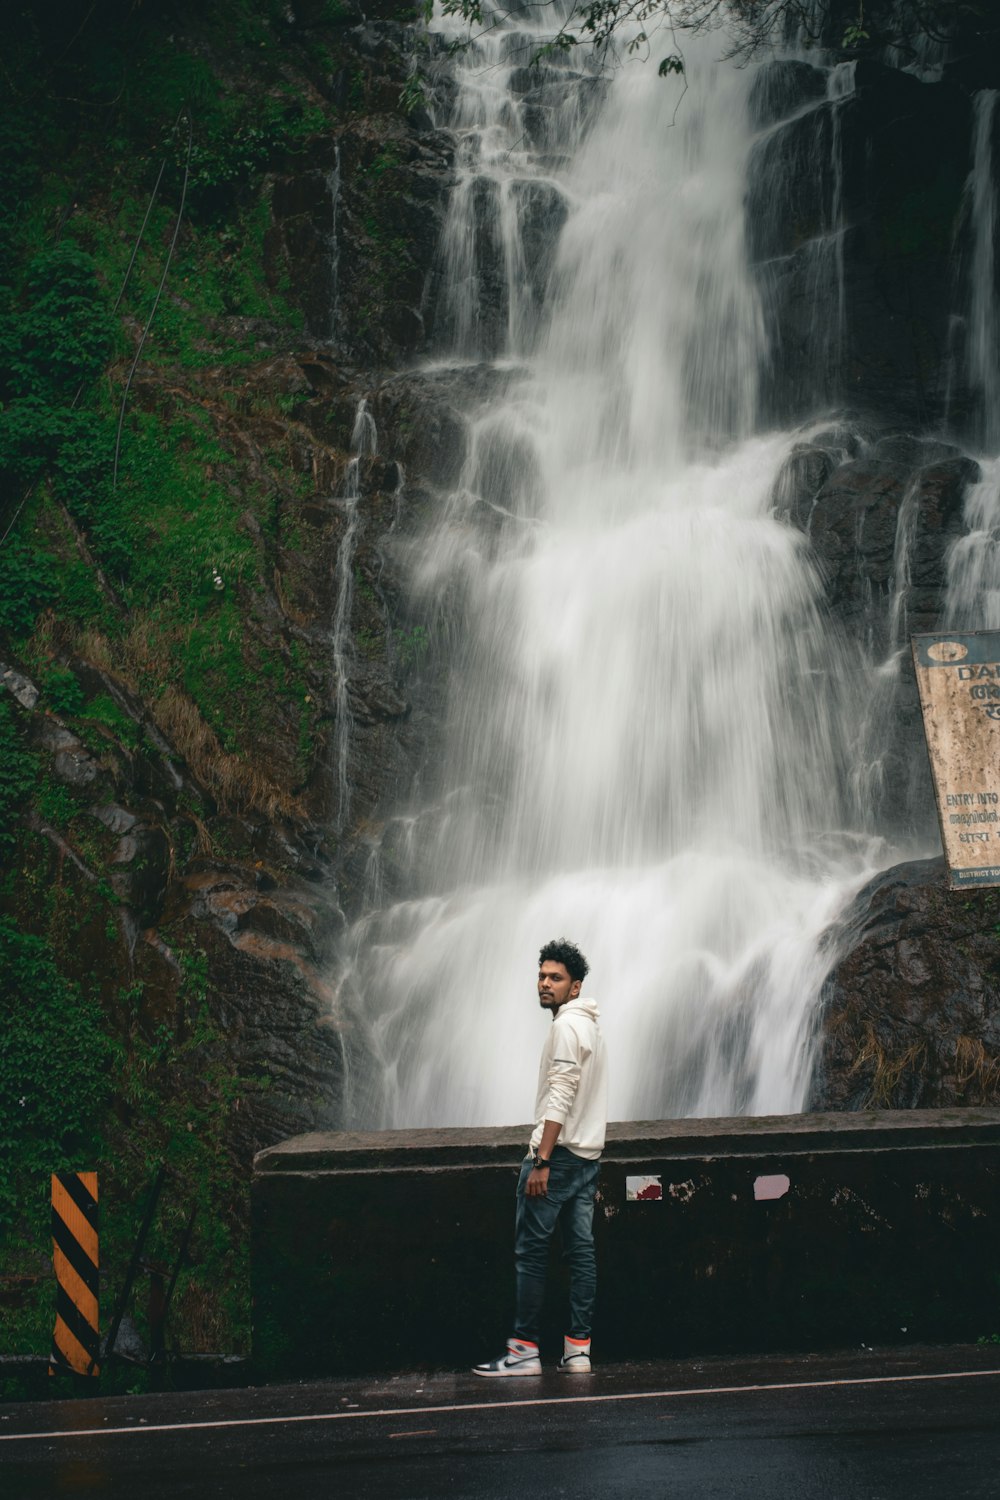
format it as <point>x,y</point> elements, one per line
<point>156,302</point>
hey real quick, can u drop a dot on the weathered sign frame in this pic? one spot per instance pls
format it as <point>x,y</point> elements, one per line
<point>958,678</point>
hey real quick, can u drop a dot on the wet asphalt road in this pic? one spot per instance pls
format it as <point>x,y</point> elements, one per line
<point>901,1425</point>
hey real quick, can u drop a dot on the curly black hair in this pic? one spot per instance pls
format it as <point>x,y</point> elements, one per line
<point>559,951</point>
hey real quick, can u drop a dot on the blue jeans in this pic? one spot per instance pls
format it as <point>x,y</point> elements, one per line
<point>570,1204</point>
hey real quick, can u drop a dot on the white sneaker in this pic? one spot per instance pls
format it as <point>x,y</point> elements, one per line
<point>521,1359</point>
<point>576,1356</point>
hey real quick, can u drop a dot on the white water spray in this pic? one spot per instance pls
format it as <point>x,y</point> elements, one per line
<point>973,593</point>
<point>364,441</point>
<point>647,731</point>
<point>333,187</point>
<point>984,320</point>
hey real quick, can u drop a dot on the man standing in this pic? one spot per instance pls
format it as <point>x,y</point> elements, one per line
<point>559,1175</point>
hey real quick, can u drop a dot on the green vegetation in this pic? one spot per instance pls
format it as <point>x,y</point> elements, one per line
<point>73,1096</point>
<point>17,778</point>
<point>135,525</point>
<point>97,1075</point>
<point>55,1060</point>
<point>124,503</point>
<point>411,647</point>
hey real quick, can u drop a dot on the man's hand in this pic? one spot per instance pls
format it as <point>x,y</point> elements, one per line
<point>537,1185</point>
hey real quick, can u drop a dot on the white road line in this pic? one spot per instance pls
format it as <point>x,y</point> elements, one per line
<point>426,1411</point>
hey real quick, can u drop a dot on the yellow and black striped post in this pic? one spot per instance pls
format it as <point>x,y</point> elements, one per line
<point>75,1340</point>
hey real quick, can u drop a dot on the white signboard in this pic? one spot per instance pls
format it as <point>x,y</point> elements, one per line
<point>959,681</point>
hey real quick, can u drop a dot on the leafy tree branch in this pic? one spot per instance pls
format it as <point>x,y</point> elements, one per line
<point>751,25</point>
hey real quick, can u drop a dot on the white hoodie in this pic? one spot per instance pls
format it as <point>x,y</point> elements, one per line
<point>573,1080</point>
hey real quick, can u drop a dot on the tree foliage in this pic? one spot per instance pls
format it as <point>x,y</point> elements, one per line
<point>905,25</point>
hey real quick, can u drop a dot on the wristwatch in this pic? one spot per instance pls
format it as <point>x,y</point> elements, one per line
<point>539,1162</point>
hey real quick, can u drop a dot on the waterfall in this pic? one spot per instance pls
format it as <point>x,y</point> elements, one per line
<point>984,310</point>
<point>797,219</point>
<point>840,86</point>
<point>364,441</point>
<point>973,591</point>
<point>333,188</point>
<point>902,564</point>
<point>648,729</point>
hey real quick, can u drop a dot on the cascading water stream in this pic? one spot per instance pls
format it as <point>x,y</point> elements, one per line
<point>984,311</point>
<point>333,187</point>
<point>647,736</point>
<point>364,441</point>
<point>840,86</point>
<point>973,593</point>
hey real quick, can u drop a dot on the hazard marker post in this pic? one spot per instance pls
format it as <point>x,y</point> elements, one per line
<point>75,1339</point>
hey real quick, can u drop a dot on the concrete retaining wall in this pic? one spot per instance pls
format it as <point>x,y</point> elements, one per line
<point>394,1250</point>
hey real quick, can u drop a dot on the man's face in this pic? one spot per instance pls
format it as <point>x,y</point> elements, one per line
<point>555,986</point>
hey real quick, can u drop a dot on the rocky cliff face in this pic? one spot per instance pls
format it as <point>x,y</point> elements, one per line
<point>862,190</point>
<point>209,803</point>
<point>198,654</point>
<point>862,226</point>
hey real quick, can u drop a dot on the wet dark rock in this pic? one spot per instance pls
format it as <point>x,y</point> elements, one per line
<point>853,520</point>
<point>390,212</point>
<point>913,452</point>
<point>301,236</point>
<point>140,871</point>
<point>425,411</point>
<point>374,701</point>
<point>546,95</point>
<point>853,531</point>
<point>542,213</point>
<point>911,1012</point>
<point>233,900</point>
<point>881,523</point>
<point>887,166</point>
<point>355,225</point>
<point>802,477</point>
<point>790,186</point>
<point>783,86</point>
<point>276,1017</point>
<point>320,373</point>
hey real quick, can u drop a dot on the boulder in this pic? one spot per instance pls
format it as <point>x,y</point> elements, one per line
<point>910,1012</point>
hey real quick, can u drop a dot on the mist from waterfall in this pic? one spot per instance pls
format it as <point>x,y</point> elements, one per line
<point>648,742</point>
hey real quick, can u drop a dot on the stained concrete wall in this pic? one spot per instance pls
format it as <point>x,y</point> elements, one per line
<point>394,1250</point>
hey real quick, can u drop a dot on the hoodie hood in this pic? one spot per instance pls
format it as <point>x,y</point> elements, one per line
<point>580,1007</point>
